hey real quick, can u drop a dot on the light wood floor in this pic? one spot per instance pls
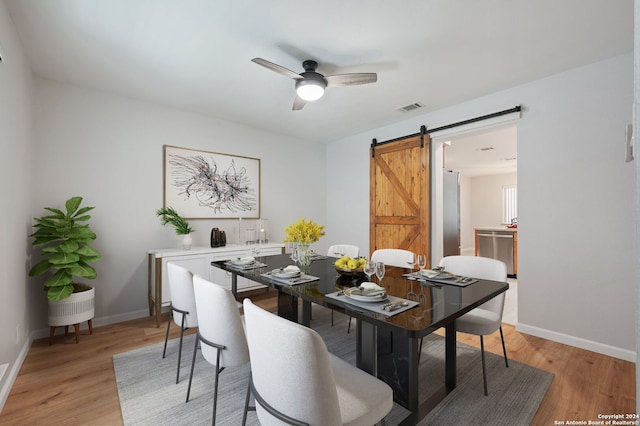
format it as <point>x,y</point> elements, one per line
<point>69,384</point>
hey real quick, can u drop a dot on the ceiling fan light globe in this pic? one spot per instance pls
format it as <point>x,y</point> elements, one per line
<point>309,90</point>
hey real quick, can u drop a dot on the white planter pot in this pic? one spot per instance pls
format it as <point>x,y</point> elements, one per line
<point>187,241</point>
<point>77,308</point>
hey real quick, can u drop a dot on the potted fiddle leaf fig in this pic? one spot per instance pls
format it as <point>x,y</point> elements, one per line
<point>66,253</point>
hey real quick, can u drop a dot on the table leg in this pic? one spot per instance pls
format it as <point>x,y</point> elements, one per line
<point>366,347</point>
<point>450,356</point>
<point>234,284</point>
<point>158,292</point>
<point>306,313</point>
<point>287,306</point>
<point>397,365</point>
<point>150,283</point>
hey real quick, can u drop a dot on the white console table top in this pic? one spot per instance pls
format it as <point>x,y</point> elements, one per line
<point>165,252</point>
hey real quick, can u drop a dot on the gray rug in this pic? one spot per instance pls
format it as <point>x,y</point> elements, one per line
<point>149,395</point>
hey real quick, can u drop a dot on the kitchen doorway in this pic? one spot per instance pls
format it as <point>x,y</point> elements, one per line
<point>485,162</point>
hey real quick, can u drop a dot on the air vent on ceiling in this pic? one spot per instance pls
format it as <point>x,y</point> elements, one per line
<point>410,107</point>
<point>488,148</point>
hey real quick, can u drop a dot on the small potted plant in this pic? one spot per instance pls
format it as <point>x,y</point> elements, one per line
<point>168,215</point>
<point>66,253</point>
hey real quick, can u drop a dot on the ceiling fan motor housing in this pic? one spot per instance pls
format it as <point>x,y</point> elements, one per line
<point>312,84</point>
<point>311,77</point>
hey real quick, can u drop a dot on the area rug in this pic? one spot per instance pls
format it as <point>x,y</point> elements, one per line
<point>149,395</point>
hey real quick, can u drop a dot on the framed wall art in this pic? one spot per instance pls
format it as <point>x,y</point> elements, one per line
<point>210,185</point>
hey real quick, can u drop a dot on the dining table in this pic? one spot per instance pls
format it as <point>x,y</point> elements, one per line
<point>388,333</point>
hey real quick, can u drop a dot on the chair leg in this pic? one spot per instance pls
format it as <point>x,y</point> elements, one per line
<point>215,388</point>
<point>193,363</point>
<point>246,402</point>
<point>504,348</point>
<point>349,326</point>
<point>484,371</point>
<point>166,337</point>
<point>180,349</point>
<point>331,317</point>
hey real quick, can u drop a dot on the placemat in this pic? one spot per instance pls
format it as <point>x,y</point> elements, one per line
<point>374,306</point>
<point>254,265</point>
<point>447,281</point>
<point>302,279</point>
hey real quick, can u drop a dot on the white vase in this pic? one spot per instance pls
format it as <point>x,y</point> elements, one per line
<point>187,241</point>
<point>77,308</point>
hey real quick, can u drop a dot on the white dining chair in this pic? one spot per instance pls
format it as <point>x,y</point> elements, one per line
<point>183,305</point>
<point>486,318</point>
<point>393,257</point>
<point>339,250</point>
<point>294,379</point>
<point>221,335</point>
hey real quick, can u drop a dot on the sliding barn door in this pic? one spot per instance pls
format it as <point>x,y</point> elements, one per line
<point>400,195</point>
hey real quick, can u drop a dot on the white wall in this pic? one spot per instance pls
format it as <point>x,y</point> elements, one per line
<point>636,127</point>
<point>486,198</point>
<point>481,205</point>
<point>577,254</point>
<point>15,191</point>
<point>108,149</point>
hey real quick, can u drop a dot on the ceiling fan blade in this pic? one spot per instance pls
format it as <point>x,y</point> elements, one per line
<point>351,79</point>
<point>277,68</point>
<point>298,103</point>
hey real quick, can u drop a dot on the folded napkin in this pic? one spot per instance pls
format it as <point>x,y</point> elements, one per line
<point>371,286</point>
<point>291,268</point>
<point>429,273</point>
<point>368,289</point>
<point>243,260</point>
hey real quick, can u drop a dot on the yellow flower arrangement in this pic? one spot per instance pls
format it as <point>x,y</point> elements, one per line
<point>303,231</point>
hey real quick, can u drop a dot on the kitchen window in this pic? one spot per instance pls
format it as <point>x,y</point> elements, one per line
<point>509,204</point>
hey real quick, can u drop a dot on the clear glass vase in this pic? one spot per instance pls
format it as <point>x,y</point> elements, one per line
<point>304,255</point>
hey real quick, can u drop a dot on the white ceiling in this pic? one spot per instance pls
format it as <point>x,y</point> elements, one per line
<point>196,54</point>
<point>488,152</point>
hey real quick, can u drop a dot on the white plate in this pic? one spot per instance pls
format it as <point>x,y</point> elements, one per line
<point>445,276</point>
<point>285,274</point>
<point>361,298</point>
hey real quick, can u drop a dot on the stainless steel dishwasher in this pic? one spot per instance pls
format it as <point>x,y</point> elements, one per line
<point>497,245</point>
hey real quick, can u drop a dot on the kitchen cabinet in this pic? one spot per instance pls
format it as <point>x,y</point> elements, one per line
<point>198,261</point>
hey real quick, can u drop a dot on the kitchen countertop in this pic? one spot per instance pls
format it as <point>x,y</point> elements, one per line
<point>496,228</point>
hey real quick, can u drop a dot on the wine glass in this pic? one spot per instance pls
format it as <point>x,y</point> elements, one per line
<point>369,268</point>
<point>294,254</point>
<point>422,261</point>
<point>412,295</point>
<point>380,271</point>
<point>255,248</point>
<point>412,260</point>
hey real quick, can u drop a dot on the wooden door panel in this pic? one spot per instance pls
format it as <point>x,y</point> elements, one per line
<point>399,211</point>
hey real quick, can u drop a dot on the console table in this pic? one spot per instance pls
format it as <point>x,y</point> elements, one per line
<point>198,261</point>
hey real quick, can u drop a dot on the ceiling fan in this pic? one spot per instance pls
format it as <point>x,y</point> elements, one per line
<point>310,85</point>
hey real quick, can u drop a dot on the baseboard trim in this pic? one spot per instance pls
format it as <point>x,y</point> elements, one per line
<point>13,372</point>
<point>578,342</point>
<point>98,322</point>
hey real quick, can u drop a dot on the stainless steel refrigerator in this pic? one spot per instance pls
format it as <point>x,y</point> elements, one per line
<point>451,213</point>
